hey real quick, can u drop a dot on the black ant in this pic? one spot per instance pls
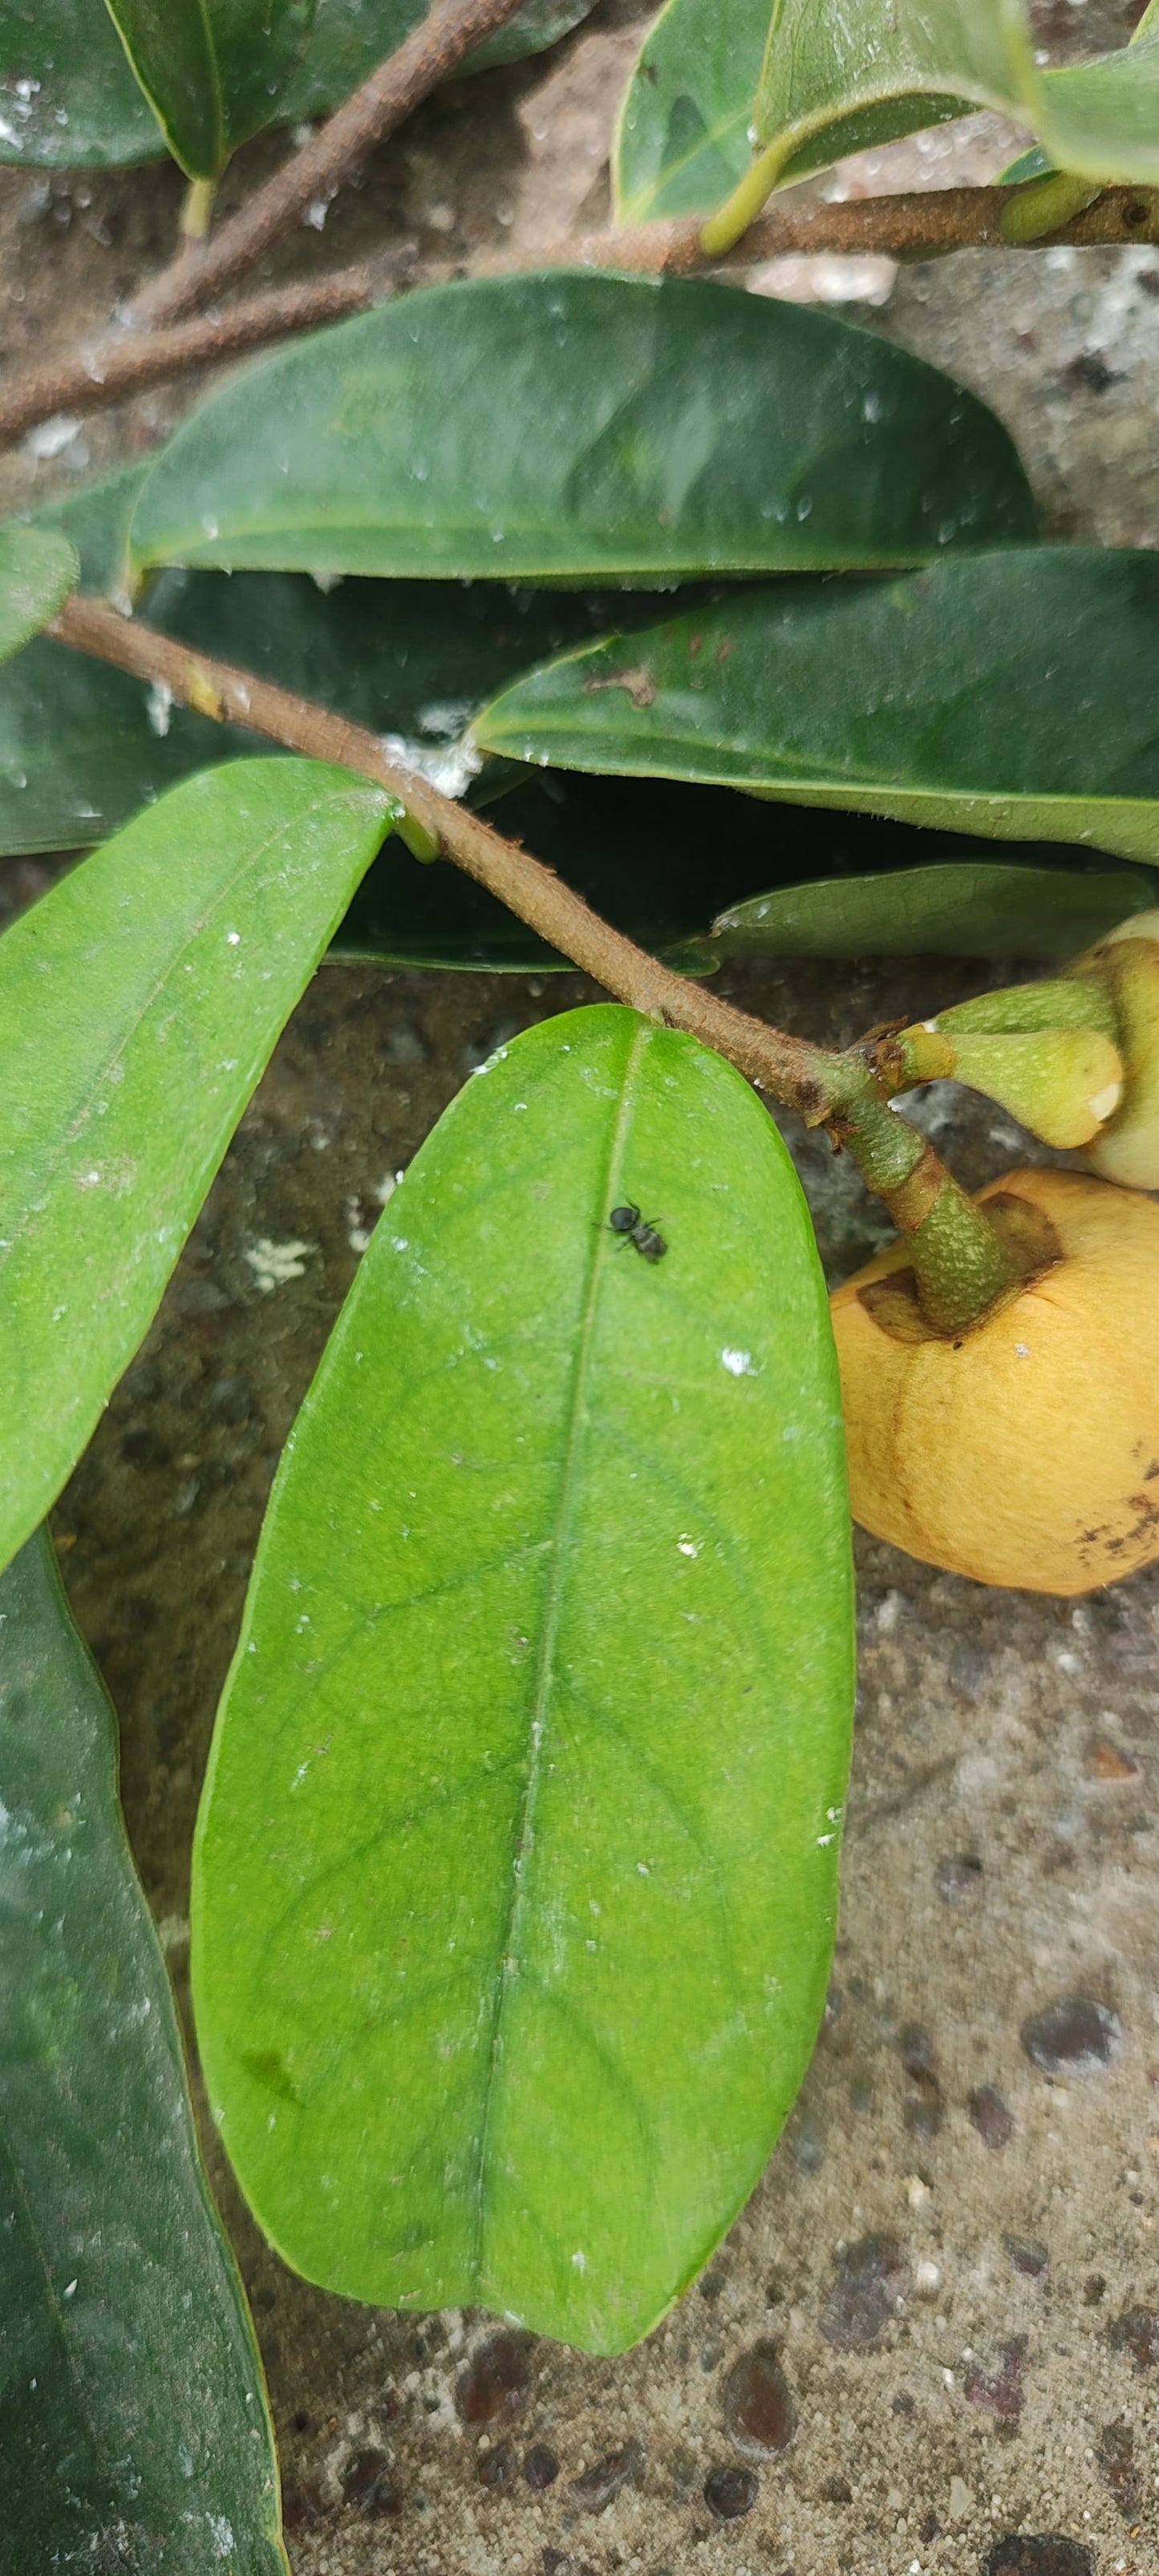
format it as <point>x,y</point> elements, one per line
<point>631,1226</point>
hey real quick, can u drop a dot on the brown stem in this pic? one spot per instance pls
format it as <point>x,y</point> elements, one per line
<point>123,363</point>
<point>958,1261</point>
<point>112,369</point>
<point>803,1077</point>
<point>901,226</point>
<point>394,90</point>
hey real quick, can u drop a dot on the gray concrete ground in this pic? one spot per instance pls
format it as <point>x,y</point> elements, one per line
<point>936,2327</point>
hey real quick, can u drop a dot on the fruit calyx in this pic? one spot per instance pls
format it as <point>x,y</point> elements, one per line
<point>1031,1245</point>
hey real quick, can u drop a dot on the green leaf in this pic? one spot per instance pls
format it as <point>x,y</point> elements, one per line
<point>38,569</point>
<point>1099,119</point>
<point>140,1001</point>
<point>82,747</point>
<point>666,428</point>
<point>516,1869</point>
<point>1006,694</point>
<point>133,2428</point>
<point>651,857</point>
<point>682,142</point>
<point>351,36</point>
<point>658,858</point>
<point>962,907</point>
<point>70,99</point>
<point>212,70</point>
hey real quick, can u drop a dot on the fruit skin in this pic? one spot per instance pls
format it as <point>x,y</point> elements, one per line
<point>1128,1148</point>
<point>1026,1454</point>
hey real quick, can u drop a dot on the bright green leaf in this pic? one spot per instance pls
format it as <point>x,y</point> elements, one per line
<point>212,70</point>
<point>139,1003</point>
<point>665,428</point>
<point>1099,119</point>
<point>516,1870</point>
<point>964,907</point>
<point>683,140</point>
<point>1006,694</point>
<point>38,569</point>
<point>72,101</point>
<point>133,2429</point>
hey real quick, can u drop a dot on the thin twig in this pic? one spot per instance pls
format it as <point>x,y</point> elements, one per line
<point>803,1077</point>
<point>111,369</point>
<point>436,48</point>
<point>959,1263</point>
<point>902,226</point>
<point>934,219</point>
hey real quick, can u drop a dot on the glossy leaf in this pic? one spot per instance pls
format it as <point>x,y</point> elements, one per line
<point>962,907</point>
<point>1005,694</point>
<point>351,36</point>
<point>82,747</point>
<point>139,1003</point>
<point>653,858</point>
<point>683,139</point>
<point>38,568</point>
<point>516,1869</point>
<point>665,428</point>
<point>69,97</point>
<point>133,2429</point>
<point>1099,119</point>
<point>212,70</point>
<point>659,859</point>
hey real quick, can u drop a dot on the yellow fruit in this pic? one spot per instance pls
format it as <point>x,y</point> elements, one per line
<point>1128,1148</point>
<point>1028,1452</point>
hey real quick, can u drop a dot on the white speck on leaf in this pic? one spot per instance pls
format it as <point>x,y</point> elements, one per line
<point>738,1363</point>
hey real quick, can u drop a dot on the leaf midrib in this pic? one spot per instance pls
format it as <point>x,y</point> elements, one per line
<point>523,1839</point>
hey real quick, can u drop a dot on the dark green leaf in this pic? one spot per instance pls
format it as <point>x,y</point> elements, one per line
<point>351,36</point>
<point>1099,119</point>
<point>82,747</point>
<point>133,2429</point>
<point>683,138</point>
<point>515,1877</point>
<point>1006,694</point>
<point>38,569</point>
<point>140,1001</point>
<point>213,71</point>
<point>654,859</point>
<point>68,96</point>
<point>659,859</point>
<point>664,428</point>
<point>962,907</point>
